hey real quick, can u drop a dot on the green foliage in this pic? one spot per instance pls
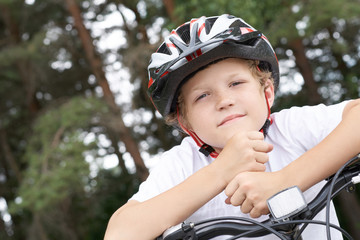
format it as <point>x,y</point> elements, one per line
<point>55,154</point>
<point>257,13</point>
<point>112,191</point>
<point>57,187</point>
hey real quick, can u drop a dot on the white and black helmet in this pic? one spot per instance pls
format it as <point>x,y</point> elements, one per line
<point>198,43</point>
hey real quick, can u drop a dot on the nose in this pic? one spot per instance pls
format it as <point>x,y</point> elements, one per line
<point>224,100</point>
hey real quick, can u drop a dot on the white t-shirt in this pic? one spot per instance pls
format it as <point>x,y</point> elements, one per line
<point>292,132</point>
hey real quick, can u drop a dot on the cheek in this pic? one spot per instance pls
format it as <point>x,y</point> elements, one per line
<point>196,120</point>
<point>188,118</point>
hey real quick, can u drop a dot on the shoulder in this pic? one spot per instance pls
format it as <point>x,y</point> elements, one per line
<point>184,157</point>
<point>304,111</point>
<point>310,116</point>
<point>187,147</point>
<point>304,127</point>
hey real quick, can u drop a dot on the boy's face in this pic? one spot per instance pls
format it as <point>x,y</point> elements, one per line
<point>223,99</point>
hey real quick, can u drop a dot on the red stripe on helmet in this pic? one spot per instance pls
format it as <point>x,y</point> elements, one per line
<point>245,30</point>
<point>189,58</point>
<point>198,52</point>
<point>193,55</point>
<point>151,81</point>
<point>201,28</point>
<point>192,21</point>
<point>170,45</point>
<point>164,74</point>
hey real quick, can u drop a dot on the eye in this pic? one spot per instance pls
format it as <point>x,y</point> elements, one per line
<point>232,84</point>
<point>201,97</point>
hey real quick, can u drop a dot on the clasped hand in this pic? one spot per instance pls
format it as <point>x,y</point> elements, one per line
<point>250,190</point>
<point>248,185</point>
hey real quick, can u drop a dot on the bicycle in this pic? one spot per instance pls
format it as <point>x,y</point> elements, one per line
<point>284,225</point>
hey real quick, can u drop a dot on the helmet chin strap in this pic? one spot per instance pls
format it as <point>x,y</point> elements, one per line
<point>268,120</point>
<point>206,149</point>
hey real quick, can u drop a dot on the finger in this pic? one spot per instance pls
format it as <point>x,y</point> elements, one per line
<point>262,146</point>
<point>254,213</point>
<point>259,211</point>
<point>237,198</point>
<point>231,188</point>
<point>246,207</point>
<point>258,167</point>
<point>261,157</point>
<point>255,135</point>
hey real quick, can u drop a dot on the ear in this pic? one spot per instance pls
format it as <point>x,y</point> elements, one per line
<point>269,91</point>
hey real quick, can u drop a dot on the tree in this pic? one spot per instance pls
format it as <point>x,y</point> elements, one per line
<point>60,117</point>
<point>97,68</point>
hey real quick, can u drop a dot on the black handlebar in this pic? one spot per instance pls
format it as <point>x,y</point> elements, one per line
<point>241,227</point>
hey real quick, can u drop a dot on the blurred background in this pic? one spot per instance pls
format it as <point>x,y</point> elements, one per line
<point>77,131</point>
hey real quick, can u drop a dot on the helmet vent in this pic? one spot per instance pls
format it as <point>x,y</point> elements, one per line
<point>163,49</point>
<point>250,42</point>
<point>184,33</point>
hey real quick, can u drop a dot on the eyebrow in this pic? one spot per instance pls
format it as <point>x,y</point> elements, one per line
<point>199,87</point>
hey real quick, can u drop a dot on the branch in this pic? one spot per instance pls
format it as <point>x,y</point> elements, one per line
<point>97,68</point>
<point>55,142</point>
<point>9,157</point>
<point>170,9</point>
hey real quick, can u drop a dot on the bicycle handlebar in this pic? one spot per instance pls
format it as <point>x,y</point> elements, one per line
<point>241,227</point>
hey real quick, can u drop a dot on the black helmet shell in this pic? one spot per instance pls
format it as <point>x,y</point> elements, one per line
<point>198,43</point>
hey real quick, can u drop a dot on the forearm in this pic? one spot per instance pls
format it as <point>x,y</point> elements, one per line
<point>148,219</point>
<point>329,155</point>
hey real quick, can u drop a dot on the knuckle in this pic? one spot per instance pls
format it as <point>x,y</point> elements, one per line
<point>249,154</point>
<point>227,192</point>
<point>246,187</point>
<point>238,178</point>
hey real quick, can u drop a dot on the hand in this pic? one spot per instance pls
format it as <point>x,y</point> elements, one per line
<point>245,151</point>
<point>250,190</point>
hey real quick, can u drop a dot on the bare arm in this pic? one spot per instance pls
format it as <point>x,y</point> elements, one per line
<point>250,190</point>
<point>335,150</point>
<point>148,219</point>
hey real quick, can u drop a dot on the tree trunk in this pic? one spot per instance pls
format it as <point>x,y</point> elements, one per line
<point>24,66</point>
<point>97,68</point>
<point>9,157</point>
<point>170,7</point>
<point>114,143</point>
<point>37,230</point>
<point>305,69</point>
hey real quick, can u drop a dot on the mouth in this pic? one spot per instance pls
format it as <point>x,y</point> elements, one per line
<point>230,118</point>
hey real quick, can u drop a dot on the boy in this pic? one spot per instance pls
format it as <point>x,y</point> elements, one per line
<point>200,80</point>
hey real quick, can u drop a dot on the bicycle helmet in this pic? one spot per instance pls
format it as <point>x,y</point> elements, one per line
<point>198,43</point>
